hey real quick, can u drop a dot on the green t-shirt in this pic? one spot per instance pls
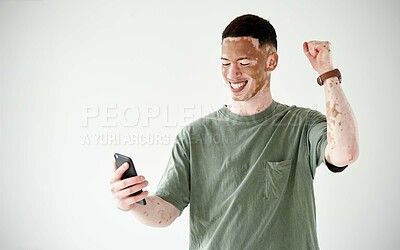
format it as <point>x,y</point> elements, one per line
<point>248,179</point>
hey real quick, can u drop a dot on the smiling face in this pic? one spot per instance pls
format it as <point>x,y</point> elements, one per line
<point>246,66</point>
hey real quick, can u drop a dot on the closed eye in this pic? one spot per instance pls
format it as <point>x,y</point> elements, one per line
<point>245,62</point>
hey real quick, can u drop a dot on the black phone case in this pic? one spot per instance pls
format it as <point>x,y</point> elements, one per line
<point>130,172</point>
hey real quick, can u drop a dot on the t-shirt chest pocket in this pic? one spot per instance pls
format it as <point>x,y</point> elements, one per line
<point>276,177</point>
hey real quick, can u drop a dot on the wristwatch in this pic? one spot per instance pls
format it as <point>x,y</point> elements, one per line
<point>329,74</point>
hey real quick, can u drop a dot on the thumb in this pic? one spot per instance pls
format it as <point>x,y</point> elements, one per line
<point>306,50</point>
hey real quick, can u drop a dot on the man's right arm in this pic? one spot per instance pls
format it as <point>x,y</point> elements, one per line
<point>157,212</point>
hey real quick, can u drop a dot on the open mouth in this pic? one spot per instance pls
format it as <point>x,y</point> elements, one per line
<point>238,86</point>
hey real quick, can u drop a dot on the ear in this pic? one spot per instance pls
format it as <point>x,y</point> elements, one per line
<point>272,61</point>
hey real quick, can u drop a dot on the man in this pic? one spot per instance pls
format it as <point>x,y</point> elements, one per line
<point>247,169</point>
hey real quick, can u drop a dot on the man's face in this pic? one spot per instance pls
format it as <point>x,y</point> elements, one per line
<point>244,66</point>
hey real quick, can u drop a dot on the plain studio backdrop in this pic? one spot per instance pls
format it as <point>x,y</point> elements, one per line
<point>81,80</point>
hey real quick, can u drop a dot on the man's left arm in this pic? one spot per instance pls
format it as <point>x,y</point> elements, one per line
<point>342,134</point>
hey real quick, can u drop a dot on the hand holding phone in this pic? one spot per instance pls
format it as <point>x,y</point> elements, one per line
<point>130,172</point>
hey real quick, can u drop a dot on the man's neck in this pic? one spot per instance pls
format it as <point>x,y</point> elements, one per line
<point>261,101</point>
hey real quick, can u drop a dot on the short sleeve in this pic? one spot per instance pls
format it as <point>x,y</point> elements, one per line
<point>174,186</point>
<point>317,139</point>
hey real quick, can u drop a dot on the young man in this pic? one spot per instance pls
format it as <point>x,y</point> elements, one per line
<point>247,169</point>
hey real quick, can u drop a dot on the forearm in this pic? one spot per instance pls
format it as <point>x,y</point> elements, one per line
<point>342,134</point>
<point>156,213</point>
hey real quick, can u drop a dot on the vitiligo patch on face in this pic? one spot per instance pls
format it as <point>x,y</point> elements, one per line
<point>254,41</point>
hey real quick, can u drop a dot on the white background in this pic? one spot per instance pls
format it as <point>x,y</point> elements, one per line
<point>69,70</point>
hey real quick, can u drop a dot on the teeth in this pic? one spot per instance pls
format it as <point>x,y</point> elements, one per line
<point>237,85</point>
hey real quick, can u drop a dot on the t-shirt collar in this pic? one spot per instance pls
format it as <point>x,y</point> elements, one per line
<point>246,118</point>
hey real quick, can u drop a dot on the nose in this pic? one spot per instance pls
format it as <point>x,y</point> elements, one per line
<point>234,71</point>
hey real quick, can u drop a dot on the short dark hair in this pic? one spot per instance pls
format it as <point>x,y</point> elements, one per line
<point>252,26</point>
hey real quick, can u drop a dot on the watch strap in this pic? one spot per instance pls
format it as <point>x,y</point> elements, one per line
<point>329,74</point>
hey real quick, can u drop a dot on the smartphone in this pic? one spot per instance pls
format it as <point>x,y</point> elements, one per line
<point>130,172</point>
